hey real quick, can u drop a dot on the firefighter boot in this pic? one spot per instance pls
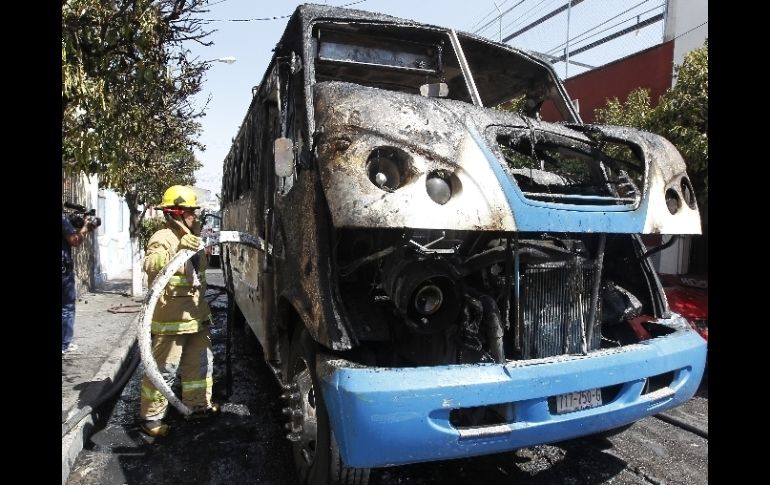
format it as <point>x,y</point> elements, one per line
<point>155,428</point>
<point>211,411</point>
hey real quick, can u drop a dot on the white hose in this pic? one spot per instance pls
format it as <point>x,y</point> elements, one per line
<point>144,337</point>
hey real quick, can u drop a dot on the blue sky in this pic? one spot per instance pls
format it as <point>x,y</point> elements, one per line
<point>228,86</point>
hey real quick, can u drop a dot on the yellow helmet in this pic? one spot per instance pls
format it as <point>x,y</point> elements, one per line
<point>179,196</point>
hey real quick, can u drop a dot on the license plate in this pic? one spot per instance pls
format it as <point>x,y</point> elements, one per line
<point>575,401</point>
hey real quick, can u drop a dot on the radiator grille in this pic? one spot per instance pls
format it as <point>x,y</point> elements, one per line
<point>555,297</point>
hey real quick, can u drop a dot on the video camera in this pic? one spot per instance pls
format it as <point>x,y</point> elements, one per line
<point>81,216</point>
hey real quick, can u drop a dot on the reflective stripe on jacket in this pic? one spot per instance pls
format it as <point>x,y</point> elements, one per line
<point>181,308</point>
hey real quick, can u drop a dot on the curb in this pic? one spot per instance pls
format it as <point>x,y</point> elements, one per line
<point>72,443</point>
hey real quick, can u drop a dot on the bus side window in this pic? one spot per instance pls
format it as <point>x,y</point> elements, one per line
<point>286,146</point>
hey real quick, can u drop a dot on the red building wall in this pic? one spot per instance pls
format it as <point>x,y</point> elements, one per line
<point>650,68</point>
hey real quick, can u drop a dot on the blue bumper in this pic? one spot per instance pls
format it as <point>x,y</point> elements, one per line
<point>391,416</point>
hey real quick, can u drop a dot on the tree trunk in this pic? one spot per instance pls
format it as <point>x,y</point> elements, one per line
<point>137,252</point>
<point>137,276</point>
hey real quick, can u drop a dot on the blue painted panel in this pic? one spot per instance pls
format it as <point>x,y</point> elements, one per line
<point>532,215</point>
<point>388,416</point>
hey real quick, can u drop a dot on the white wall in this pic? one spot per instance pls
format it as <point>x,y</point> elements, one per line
<point>683,26</point>
<point>683,23</point>
<point>113,255</point>
<point>673,260</point>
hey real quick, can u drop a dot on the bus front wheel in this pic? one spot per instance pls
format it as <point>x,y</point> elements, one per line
<point>316,456</point>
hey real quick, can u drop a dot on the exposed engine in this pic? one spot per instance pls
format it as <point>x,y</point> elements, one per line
<point>443,297</point>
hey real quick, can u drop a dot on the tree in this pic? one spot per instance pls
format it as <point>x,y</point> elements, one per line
<point>681,116</point>
<point>636,111</point>
<point>127,86</point>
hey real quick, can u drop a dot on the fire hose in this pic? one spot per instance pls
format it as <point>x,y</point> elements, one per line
<point>73,420</point>
<point>144,337</point>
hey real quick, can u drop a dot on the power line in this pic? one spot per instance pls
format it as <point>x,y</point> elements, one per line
<point>615,35</point>
<point>526,18</point>
<point>491,12</point>
<point>614,25</point>
<point>542,19</point>
<point>496,18</point>
<point>555,59</point>
<point>696,27</point>
<point>577,37</point>
<point>556,49</point>
<point>533,10</point>
<point>273,18</point>
<point>644,36</point>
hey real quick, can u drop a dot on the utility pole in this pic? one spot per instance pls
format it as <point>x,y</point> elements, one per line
<point>501,21</point>
<point>566,49</point>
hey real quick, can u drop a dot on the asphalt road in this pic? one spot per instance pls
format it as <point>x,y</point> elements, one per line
<point>246,443</point>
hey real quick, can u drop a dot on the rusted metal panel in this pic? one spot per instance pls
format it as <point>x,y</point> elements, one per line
<point>304,277</point>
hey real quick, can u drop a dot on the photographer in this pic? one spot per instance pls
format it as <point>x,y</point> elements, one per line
<point>71,237</point>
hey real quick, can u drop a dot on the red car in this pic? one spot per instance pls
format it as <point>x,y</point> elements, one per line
<point>688,296</point>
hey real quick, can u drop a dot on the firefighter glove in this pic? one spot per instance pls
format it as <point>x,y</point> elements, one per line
<point>190,241</point>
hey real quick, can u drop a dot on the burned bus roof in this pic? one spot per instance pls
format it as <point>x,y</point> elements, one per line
<point>307,13</point>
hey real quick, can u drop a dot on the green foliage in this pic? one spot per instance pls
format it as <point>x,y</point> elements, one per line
<point>681,116</point>
<point>636,111</point>
<point>127,83</point>
<point>148,227</point>
<point>515,105</point>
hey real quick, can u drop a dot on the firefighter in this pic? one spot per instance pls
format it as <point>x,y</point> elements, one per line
<point>180,324</point>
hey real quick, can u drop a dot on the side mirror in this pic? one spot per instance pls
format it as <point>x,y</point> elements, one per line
<point>284,156</point>
<point>435,90</point>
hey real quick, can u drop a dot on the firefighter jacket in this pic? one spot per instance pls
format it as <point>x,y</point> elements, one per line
<point>181,307</point>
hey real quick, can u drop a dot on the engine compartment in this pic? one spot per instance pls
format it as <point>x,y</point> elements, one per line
<point>427,297</point>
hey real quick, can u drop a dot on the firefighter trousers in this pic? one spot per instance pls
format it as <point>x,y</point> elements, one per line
<point>189,353</point>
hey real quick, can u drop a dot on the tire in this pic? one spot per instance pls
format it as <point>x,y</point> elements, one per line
<point>317,458</point>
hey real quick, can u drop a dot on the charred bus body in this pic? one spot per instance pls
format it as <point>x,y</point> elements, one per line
<point>442,277</point>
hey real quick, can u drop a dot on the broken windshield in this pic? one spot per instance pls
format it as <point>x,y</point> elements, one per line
<point>422,60</point>
<point>553,168</point>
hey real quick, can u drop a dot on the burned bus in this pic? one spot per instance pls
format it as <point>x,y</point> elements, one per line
<point>445,271</point>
